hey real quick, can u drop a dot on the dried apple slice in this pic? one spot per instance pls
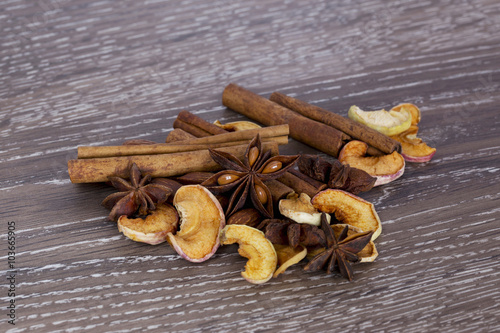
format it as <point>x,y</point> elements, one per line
<point>152,229</point>
<point>412,108</point>
<point>202,218</point>
<point>368,254</point>
<point>413,148</point>
<point>349,209</point>
<point>386,122</point>
<point>288,256</point>
<point>300,209</point>
<point>262,257</point>
<point>237,125</point>
<point>385,168</point>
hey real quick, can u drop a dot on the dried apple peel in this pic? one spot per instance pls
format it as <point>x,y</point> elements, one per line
<point>262,257</point>
<point>349,209</point>
<point>202,218</point>
<point>288,256</point>
<point>386,122</point>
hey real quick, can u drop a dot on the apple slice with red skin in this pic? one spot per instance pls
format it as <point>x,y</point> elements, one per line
<point>152,229</point>
<point>202,218</point>
<point>385,168</point>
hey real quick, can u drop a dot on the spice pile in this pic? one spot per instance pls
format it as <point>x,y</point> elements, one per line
<point>217,184</point>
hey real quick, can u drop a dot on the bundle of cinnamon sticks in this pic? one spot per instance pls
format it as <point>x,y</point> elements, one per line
<point>186,147</point>
<point>317,127</point>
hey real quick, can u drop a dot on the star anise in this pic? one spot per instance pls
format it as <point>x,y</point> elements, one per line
<point>140,194</point>
<point>246,178</point>
<point>339,252</point>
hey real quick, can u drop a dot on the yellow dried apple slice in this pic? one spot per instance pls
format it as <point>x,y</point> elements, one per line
<point>412,108</point>
<point>385,168</point>
<point>262,258</point>
<point>413,148</point>
<point>300,209</point>
<point>153,229</point>
<point>349,209</point>
<point>202,218</point>
<point>369,252</point>
<point>288,256</point>
<point>237,125</point>
<point>386,122</point>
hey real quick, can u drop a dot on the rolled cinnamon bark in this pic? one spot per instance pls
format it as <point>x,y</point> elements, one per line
<point>354,129</point>
<point>178,134</point>
<point>313,133</point>
<point>195,125</point>
<point>94,170</point>
<point>300,185</point>
<point>163,148</point>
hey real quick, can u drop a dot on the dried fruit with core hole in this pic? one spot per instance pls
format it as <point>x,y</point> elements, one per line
<point>349,209</point>
<point>368,254</point>
<point>300,209</point>
<point>413,148</point>
<point>385,168</point>
<point>237,125</point>
<point>262,258</point>
<point>288,256</point>
<point>386,122</point>
<point>152,229</point>
<point>202,218</point>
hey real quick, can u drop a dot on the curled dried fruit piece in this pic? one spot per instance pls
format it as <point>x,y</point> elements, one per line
<point>413,109</point>
<point>413,148</point>
<point>152,229</point>
<point>262,258</point>
<point>349,209</point>
<point>300,209</point>
<point>288,256</point>
<point>386,122</point>
<point>368,254</point>
<point>237,125</point>
<point>202,218</point>
<point>385,168</point>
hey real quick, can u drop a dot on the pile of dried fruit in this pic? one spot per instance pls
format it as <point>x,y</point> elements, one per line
<point>204,189</point>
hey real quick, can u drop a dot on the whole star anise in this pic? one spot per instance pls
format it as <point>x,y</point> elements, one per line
<point>138,194</point>
<point>247,176</point>
<point>339,252</point>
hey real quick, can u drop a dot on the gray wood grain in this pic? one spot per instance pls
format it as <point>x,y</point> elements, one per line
<point>99,73</point>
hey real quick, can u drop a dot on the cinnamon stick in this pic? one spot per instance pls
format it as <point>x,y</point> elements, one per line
<point>354,129</point>
<point>95,170</point>
<point>311,132</point>
<point>163,148</point>
<point>178,134</point>
<point>196,125</point>
<point>300,184</point>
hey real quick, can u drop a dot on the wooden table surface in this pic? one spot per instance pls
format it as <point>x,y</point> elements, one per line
<point>102,72</point>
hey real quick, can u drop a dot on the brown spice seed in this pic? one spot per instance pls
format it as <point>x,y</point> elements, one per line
<point>261,194</point>
<point>227,179</point>
<point>253,154</point>
<point>272,167</point>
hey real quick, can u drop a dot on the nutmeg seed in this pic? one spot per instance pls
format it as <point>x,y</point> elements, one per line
<point>227,179</point>
<point>272,167</point>
<point>261,194</point>
<point>253,154</point>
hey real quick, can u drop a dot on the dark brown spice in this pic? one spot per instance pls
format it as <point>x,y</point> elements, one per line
<point>137,194</point>
<point>339,252</point>
<point>246,178</point>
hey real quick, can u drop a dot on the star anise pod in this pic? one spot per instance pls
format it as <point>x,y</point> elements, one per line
<point>339,252</point>
<point>138,194</point>
<point>336,174</point>
<point>246,178</point>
